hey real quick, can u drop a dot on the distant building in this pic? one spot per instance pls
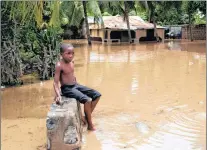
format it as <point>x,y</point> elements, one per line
<point>114,28</point>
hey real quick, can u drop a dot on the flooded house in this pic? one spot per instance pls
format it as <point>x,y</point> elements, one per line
<point>114,29</point>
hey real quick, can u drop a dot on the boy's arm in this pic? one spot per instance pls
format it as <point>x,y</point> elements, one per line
<point>56,82</point>
<point>74,65</point>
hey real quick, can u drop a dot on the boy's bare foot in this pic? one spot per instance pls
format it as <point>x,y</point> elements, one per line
<point>84,120</point>
<point>91,128</point>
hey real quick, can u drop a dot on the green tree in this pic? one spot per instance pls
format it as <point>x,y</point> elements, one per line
<point>76,11</point>
<point>86,22</point>
<point>150,9</point>
<point>190,8</point>
<point>118,8</point>
<point>26,34</point>
<point>171,17</point>
<point>126,15</point>
<point>199,18</point>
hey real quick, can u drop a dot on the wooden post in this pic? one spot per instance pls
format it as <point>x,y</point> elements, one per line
<point>108,37</point>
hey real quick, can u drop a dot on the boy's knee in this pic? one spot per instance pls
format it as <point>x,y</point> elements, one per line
<point>87,102</point>
<point>85,99</point>
<point>96,96</point>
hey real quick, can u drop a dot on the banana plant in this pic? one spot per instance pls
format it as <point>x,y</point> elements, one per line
<point>77,11</point>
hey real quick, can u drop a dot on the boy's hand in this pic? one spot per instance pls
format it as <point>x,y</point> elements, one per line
<point>58,99</point>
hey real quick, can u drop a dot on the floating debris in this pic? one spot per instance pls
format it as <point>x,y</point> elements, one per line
<point>201,102</point>
<point>190,63</point>
<point>2,87</point>
<point>142,127</point>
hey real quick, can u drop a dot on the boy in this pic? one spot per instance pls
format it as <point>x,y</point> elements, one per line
<point>64,73</point>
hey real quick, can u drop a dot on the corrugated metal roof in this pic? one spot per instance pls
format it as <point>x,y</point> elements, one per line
<point>117,22</point>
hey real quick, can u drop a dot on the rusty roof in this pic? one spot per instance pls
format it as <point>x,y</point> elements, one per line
<point>117,22</point>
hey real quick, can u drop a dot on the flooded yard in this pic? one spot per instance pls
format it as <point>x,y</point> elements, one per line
<point>153,98</point>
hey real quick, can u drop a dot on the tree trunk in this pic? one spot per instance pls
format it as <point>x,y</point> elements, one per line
<point>149,14</point>
<point>191,36</point>
<point>155,30</point>
<point>86,22</point>
<point>127,20</point>
<point>152,18</point>
<point>146,5</point>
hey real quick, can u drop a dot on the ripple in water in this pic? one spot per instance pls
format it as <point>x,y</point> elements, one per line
<point>182,130</point>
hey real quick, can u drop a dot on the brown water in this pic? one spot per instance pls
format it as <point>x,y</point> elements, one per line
<point>153,97</point>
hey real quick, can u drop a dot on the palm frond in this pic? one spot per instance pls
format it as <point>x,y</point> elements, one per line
<point>94,10</point>
<point>55,18</point>
<point>38,13</point>
<point>73,10</point>
<point>77,15</point>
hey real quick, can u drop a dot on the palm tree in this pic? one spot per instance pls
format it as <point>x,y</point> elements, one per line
<point>150,8</point>
<point>126,15</point>
<point>122,8</point>
<point>86,22</point>
<point>76,11</point>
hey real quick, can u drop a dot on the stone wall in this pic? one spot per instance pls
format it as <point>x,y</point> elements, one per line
<point>198,32</point>
<point>64,125</point>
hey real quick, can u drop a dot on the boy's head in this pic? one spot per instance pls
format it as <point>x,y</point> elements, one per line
<point>67,52</point>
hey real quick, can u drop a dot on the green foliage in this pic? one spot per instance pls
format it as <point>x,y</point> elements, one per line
<point>199,18</point>
<point>106,14</point>
<point>196,10</point>
<point>64,21</point>
<point>10,45</point>
<point>73,11</point>
<point>41,49</point>
<point>177,11</point>
<point>140,10</point>
<point>29,41</point>
<point>171,17</point>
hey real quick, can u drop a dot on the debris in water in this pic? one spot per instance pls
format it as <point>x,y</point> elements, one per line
<point>190,63</point>
<point>201,102</point>
<point>142,127</point>
<point>12,126</point>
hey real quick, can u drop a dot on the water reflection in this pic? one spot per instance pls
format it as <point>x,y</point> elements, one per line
<point>134,86</point>
<point>186,46</point>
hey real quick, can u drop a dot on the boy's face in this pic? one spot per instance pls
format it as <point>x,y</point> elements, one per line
<point>68,54</point>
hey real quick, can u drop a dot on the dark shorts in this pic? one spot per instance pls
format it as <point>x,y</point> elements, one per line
<point>79,92</point>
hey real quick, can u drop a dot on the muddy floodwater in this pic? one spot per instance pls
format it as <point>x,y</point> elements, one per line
<point>153,98</point>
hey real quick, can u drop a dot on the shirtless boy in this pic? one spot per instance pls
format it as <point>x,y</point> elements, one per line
<point>64,74</point>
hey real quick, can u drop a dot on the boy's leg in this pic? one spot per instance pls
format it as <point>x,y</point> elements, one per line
<point>84,99</point>
<point>95,95</point>
<point>93,104</point>
<point>87,110</point>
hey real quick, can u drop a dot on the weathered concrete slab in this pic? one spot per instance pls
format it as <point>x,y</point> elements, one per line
<point>64,126</point>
